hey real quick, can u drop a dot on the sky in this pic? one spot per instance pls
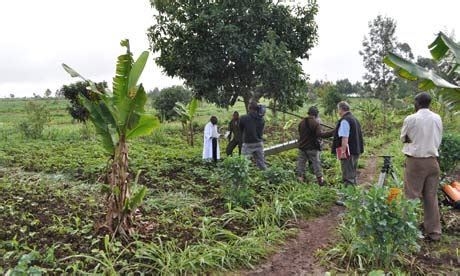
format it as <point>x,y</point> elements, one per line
<point>36,37</point>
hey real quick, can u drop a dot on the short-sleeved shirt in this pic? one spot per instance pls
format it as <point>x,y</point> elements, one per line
<point>344,129</point>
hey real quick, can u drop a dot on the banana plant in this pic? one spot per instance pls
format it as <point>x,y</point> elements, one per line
<point>443,49</point>
<point>186,114</point>
<point>120,116</point>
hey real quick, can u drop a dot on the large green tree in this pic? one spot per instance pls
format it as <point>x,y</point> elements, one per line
<point>228,49</point>
<point>165,101</point>
<point>345,87</point>
<point>380,41</point>
<point>119,116</point>
<point>330,97</point>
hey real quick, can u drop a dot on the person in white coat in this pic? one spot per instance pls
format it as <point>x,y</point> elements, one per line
<point>211,148</point>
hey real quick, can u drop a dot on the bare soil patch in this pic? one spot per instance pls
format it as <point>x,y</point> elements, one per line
<point>297,255</point>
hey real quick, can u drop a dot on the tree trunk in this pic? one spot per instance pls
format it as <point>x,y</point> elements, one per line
<point>191,133</point>
<point>118,221</point>
<point>384,116</point>
<point>274,111</point>
<point>185,132</point>
<point>282,126</point>
<point>246,103</point>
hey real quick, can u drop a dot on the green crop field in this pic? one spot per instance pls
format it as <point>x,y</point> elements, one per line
<point>52,207</point>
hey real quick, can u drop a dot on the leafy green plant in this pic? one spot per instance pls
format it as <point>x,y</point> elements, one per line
<point>109,261</point>
<point>25,267</point>
<point>186,114</point>
<point>235,176</point>
<point>87,131</point>
<point>443,50</point>
<point>449,153</point>
<point>167,98</point>
<point>37,117</point>
<point>277,175</point>
<point>118,117</point>
<point>330,98</point>
<point>376,232</point>
<point>370,112</point>
<point>223,250</point>
<point>74,91</point>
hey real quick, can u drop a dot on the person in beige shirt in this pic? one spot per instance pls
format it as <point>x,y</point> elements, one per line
<point>422,134</point>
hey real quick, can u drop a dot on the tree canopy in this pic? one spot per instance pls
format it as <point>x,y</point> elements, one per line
<point>73,93</point>
<point>166,99</point>
<point>380,41</point>
<point>227,49</point>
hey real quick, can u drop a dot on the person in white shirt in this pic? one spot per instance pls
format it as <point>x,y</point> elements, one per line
<point>211,136</point>
<point>422,134</point>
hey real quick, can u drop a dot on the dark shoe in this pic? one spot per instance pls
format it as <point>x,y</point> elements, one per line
<point>320,181</point>
<point>433,237</point>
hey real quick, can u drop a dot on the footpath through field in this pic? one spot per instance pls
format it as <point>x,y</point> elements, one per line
<point>297,255</point>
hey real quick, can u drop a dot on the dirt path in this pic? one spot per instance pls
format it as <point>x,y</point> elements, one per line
<point>367,175</point>
<point>297,255</point>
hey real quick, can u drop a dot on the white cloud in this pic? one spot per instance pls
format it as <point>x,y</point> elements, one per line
<point>37,36</point>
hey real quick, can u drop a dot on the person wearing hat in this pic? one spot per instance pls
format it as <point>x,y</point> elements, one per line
<point>310,145</point>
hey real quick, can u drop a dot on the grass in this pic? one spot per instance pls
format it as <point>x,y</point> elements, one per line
<point>184,224</point>
<point>433,258</point>
<point>52,204</point>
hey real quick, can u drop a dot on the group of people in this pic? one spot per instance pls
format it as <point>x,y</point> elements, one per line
<point>246,133</point>
<point>421,134</point>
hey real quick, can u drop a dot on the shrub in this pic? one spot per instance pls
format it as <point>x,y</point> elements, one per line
<point>166,100</point>
<point>37,116</point>
<point>449,153</point>
<point>74,91</point>
<point>235,177</point>
<point>376,232</point>
<point>277,175</point>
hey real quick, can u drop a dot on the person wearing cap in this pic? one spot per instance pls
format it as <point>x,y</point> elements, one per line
<point>421,134</point>
<point>236,139</point>
<point>310,145</point>
<point>211,140</point>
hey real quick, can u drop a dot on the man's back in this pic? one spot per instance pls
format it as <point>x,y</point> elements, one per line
<point>252,128</point>
<point>309,134</point>
<point>422,133</point>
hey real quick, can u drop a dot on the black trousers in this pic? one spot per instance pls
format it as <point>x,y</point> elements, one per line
<point>232,145</point>
<point>214,149</point>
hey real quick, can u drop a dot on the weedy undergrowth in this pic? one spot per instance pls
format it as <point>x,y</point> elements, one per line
<point>376,232</point>
<point>235,179</point>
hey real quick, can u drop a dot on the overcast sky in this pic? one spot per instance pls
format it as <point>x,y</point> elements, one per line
<point>37,36</point>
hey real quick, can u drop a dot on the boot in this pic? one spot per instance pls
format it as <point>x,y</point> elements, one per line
<point>320,181</point>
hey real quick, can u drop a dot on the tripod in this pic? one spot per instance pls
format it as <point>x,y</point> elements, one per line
<point>387,168</point>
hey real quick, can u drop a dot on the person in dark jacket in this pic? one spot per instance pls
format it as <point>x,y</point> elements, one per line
<point>310,145</point>
<point>234,128</point>
<point>349,138</point>
<point>252,129</point>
